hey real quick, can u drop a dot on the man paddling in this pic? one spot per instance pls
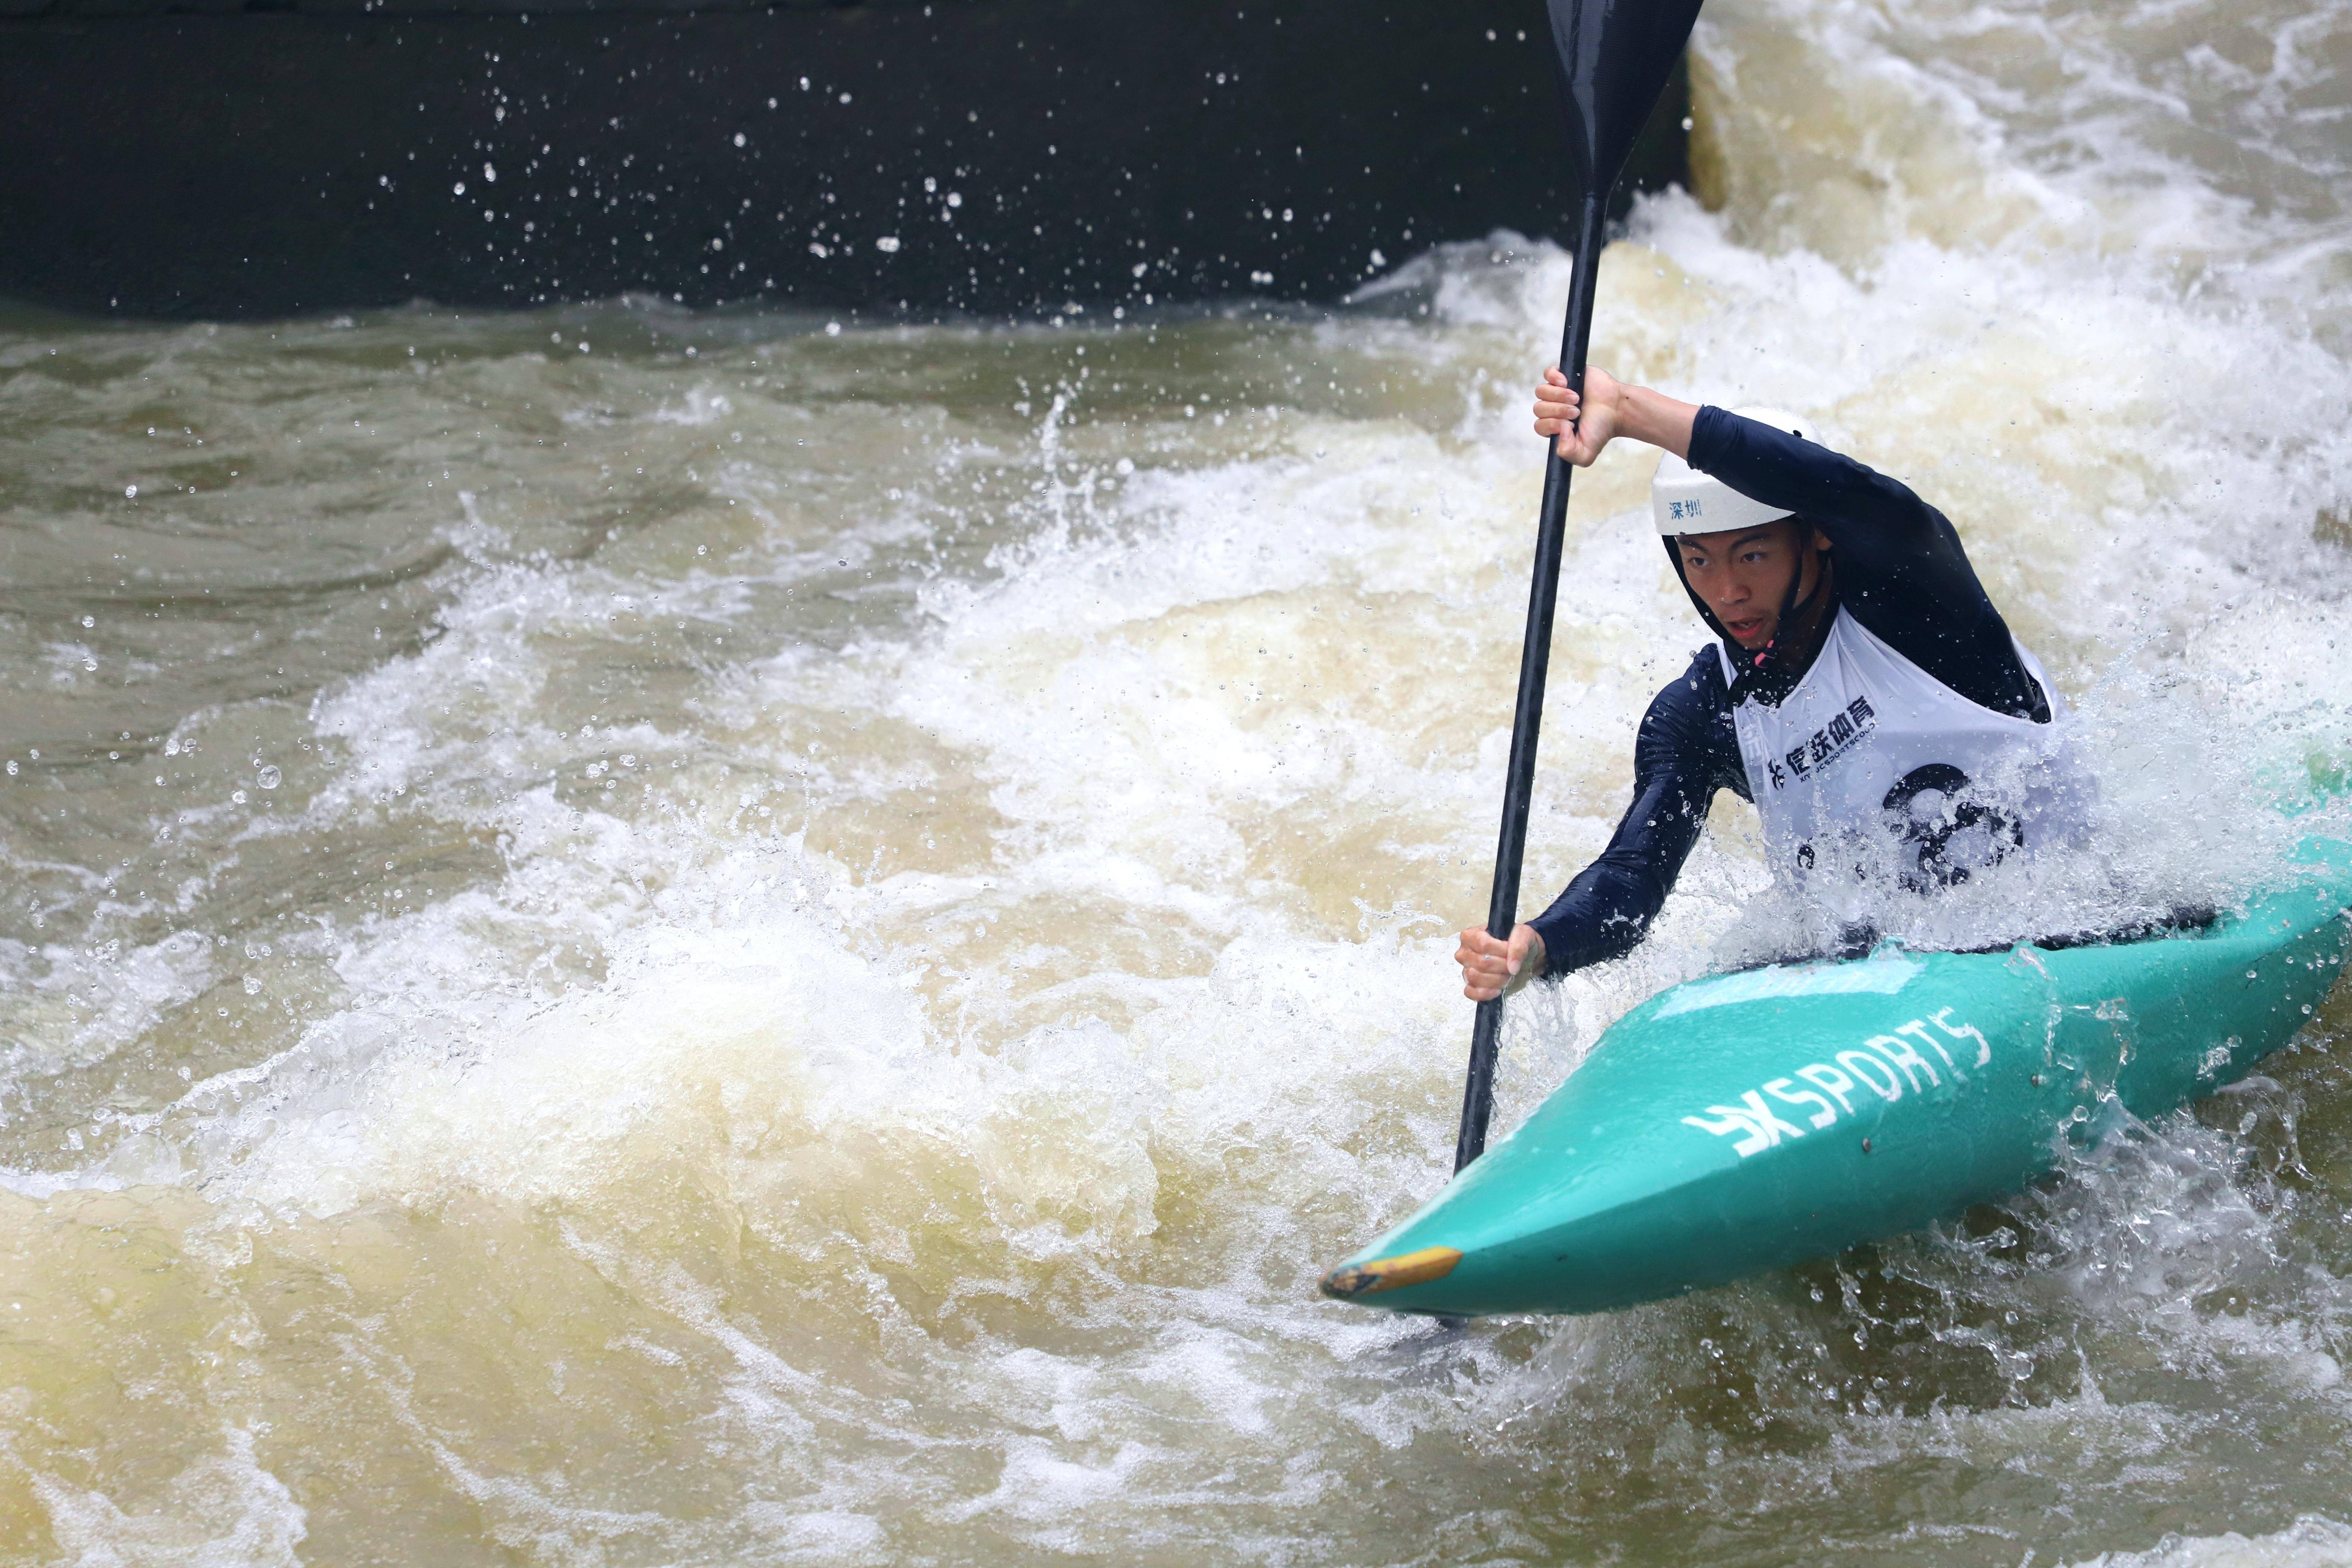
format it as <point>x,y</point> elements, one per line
<point>1865,694</point>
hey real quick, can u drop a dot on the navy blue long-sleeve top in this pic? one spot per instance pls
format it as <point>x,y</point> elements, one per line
<point>1900,571</point>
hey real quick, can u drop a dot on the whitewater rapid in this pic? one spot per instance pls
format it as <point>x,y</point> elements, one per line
<point>646,936</point>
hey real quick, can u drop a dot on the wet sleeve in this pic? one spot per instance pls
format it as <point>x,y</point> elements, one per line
<point>1902,569</point>
<point>1685,752</point>
<point>1879,527</point>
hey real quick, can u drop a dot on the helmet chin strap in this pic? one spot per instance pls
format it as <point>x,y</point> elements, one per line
<point>1789,605</point>
<point>1759,677</point>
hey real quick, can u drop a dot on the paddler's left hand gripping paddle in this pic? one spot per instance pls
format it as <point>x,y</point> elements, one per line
<point>1614,58</point>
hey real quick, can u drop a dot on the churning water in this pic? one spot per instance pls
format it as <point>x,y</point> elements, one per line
<point>645,937</point>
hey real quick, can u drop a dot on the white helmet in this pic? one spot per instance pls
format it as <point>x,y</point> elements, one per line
<point>1684,500</point>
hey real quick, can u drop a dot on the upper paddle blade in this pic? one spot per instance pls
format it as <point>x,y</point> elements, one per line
<point>1614,58</point>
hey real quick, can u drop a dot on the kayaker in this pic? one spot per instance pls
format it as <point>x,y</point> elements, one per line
<point>1865,694</point>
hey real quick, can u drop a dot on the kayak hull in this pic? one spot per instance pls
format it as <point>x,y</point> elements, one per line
<point>1750,1121</point>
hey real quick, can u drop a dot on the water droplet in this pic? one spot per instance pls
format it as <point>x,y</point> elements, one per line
<point>252,985</point>
<point>270,778</point>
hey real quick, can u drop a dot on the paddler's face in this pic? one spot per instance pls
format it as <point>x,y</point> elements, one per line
<point>1743,574</point>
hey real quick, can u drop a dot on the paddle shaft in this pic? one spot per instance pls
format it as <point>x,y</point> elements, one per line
<point>1534,660</point>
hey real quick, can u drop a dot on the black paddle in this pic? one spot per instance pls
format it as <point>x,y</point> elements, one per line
<point>1614,58</point>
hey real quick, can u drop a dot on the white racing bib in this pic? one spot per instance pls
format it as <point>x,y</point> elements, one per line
<point>1873,765</point>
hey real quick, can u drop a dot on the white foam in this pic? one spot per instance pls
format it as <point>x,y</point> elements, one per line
<point>224,1511</point>
<point>2313,1540</point>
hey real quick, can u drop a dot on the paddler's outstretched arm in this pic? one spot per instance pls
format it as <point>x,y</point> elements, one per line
<point>1685,752</point>
<point>1875,522</point>
<point>1902,569</point>
<point>1616,408</point>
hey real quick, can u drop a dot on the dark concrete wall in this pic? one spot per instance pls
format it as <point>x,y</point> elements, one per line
<point>1023,154</point>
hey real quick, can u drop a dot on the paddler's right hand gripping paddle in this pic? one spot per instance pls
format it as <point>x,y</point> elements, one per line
<point>1614,58</point>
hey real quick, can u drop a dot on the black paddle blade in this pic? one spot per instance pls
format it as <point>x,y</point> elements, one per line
<point>1614,58</point>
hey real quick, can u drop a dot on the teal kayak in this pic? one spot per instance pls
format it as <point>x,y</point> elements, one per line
<point>1752,1121</point>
